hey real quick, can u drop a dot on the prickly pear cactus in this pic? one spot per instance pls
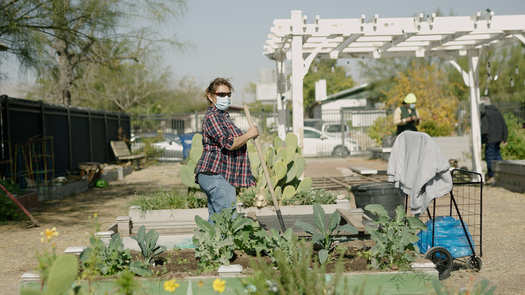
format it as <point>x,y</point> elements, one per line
<point>285,166</point>
<point>187,172</point>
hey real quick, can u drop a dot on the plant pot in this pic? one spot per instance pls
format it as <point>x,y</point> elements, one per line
<point>382,193</point>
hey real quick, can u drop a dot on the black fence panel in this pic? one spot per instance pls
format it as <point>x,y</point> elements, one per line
<point>39,141</point>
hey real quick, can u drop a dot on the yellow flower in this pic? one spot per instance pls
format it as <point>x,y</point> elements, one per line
<point>219,285</point>
<point>48,234</point>
<point>95,215</point>
<point>170,285</point>
<point>200,284</point>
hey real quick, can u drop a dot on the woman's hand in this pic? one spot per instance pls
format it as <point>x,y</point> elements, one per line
<point>253,132</point>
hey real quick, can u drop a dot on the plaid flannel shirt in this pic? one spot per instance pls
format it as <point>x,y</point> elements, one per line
<point>218,133</point>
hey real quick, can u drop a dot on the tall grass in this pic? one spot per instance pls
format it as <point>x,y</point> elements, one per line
<point>178,198</point>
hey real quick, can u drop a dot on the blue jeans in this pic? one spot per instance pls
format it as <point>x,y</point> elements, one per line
<point>221,194</point>
<point>492,153</point>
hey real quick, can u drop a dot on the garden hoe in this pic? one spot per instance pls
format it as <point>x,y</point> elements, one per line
<point>266,174</point>
<point>34,223</point>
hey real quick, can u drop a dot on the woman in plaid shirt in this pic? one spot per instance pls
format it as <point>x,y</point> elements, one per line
<point>224,163</point>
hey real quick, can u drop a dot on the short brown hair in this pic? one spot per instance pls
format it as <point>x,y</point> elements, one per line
<point>212,88</point>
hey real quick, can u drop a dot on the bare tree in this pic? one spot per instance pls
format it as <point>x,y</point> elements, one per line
<point>76,33</point>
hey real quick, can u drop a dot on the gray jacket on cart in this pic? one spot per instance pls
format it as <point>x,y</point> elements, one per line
<point>419,168</point>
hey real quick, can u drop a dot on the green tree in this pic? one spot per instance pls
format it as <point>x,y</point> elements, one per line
<point>336,78</point>
<point>20,20</point>
<point>76,33</point>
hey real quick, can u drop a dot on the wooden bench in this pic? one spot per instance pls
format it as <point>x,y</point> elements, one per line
<point>122,152</point>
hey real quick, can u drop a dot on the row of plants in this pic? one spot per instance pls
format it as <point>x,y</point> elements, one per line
<point>298,266</point>
<point>180,198</point>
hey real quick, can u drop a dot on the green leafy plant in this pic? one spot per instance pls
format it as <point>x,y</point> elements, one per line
<point>312,197</point>
<point>9,211</point>
<point>62,275</point>
<point>285,243</point>
<point>480,288</point>
<point>324,235</point>
<point>111,259</point>
<point>394,238</point>
<point>301,275</point>
<point>215,243</point>
<point>148,244</point>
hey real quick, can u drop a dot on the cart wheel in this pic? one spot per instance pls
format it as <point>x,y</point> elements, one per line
<point>474,262</point>
<point>442,258</point>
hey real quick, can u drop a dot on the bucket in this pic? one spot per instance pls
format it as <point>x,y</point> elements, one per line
<point>382,193</point>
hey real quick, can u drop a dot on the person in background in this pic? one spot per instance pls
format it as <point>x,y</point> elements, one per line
<point>224,163</point>
<point>493,134</point>
<point>406,117</point>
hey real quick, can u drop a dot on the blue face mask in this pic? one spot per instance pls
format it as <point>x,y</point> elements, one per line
<point>412,106</point>
<point>223,103</point>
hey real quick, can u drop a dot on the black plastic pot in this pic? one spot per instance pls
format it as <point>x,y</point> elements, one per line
<point>383,193</point>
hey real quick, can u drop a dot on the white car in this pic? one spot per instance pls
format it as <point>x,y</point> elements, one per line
<point>317,143</point>
<point>169,146</point>
<point>334,129</point>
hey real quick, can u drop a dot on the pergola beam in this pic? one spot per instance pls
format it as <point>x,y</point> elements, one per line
<point>418,36</point>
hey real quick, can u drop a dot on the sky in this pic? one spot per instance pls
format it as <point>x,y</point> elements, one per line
<point>229,35</point>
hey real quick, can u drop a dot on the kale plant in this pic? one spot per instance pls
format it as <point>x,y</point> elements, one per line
<point>394,238</point>
<point>323,235</point>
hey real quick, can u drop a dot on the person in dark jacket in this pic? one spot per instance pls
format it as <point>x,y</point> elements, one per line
<point>493,134</point>
<point>406,117</point>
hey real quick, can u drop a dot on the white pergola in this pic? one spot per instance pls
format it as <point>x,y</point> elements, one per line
<point>424,35</point>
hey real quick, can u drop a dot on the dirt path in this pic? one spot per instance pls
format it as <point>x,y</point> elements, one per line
<point>503,260</point>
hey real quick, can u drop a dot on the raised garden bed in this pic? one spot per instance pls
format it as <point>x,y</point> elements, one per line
<point>182,265</point>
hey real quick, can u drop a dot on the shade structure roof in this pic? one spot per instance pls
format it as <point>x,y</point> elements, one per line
<point>375,37</point>
<point>420,36</point>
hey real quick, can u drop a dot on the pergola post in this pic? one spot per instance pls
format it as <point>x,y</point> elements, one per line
<point>280,99</point>
<point>473,73</point>
<point>298,73</point>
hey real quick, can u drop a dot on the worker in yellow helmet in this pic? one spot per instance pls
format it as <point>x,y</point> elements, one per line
<point>406,117</point>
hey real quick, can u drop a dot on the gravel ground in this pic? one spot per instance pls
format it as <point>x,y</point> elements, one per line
<point>503,265</point>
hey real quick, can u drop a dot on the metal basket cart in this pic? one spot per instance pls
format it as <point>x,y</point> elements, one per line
<point>464,204</point>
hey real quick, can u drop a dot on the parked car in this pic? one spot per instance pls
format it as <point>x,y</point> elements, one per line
<point>318,143</point>
<point>334,129</point>
<point>168,145</point>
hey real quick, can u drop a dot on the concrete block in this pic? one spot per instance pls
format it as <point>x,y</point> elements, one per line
<point>30,277</point>
<point>74,250</point>
<point>124,226</point>
<point>230,270</point>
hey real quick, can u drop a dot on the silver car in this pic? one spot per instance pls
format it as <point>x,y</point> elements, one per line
<point>168,146</point>
<point>318,144</point>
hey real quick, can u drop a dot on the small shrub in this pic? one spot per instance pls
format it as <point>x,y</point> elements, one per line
<point>9,211</point>
<point>515,148</point>
<point>432,128</point>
